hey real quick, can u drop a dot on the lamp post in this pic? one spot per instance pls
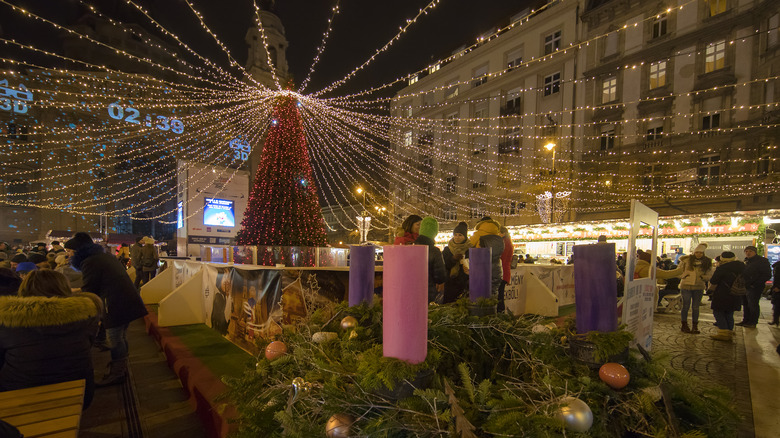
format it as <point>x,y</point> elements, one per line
<point>551,147</point>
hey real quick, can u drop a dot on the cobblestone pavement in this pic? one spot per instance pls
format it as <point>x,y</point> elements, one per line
<point>715,362</point>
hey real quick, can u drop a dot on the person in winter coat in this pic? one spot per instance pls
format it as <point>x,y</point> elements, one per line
<point>411,229</point>
<point>149,260</point>
<point>46,334</point>
<point>9,282</point>
<point>694,271</point>
<point>64,267</point>
<point>724,303</point>
<point>104,276</point>
<point>506,266</point>
<point>776,294</point>
<point>487,236</point>
<point>642,267</point>
<point>454,253</point>
<point>757,273</point>
<point>135,261</point>
<point>124,254</point>
<point>429,228</point>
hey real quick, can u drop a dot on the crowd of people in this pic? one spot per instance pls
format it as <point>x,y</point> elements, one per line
<point>60,302</point>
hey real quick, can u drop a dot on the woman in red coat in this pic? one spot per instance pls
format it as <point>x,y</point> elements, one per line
<point>411,229</point>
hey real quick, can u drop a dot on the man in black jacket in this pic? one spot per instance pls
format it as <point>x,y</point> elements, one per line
<point>429,228</point>
<point>757,272</point>
<point>104,276</point>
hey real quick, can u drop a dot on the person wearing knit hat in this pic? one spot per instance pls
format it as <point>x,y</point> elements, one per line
<point>487,236</point>
<point>454,255</point>
<point>694,272</point>
<point>724,303</point>
<point>105,277</point>
<point>18,258</point>
<point>429,228</point>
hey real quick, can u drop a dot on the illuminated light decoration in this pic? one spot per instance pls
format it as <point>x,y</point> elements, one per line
<point>280,211</point>
<point>274,122</point>
<point>320,48</point>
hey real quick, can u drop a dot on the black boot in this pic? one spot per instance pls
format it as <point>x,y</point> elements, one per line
<point>117,373</point>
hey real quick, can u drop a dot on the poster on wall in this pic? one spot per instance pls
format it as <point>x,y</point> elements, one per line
<point>255,296</point>
<point>217,297</point>
<point>773,254</point>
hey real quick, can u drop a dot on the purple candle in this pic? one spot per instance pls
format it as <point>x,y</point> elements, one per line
<point>405,302</point>
<point>361,274</point>
<point>479,273</point>
<point>595,287</point>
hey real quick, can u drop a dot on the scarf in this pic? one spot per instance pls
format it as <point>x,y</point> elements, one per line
<point>458,249</point>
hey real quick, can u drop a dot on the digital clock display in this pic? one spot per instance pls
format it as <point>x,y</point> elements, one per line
<point>132,115</point>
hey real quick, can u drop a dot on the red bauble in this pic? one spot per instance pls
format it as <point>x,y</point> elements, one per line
<point>275,350</point>
<point>614,375</point>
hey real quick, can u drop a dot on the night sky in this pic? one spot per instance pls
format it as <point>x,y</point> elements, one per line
<point>361,27</point>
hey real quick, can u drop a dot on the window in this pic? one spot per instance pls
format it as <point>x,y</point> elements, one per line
<point>408,138</point>
<point>711,121</point>
<point>426,140</point>
<point>480,112</point>
<point>479,146</point>
<point>513,103</point>
<point>773,30</point>
<point>479,180</point>
<point>450,213</point>
<point>480,76</point>
<point>514,58</point>
<point>607,137</point>
<point>715,56</point>
<point>452,120</point>
<point>609,89</point>
<point>762,164</point>
<point>451,184</point>
<point>452,90</point>
<point>427,164</point>
<point>652,177</point>
<point>715,7</point>
<point>427,99</point>
<point>552,84</point>
<point>709,170</point>
<point>434,68</point>
<point>475,211</point>
<point>611,44</point>
<point>513,208</point>
<point>659,25</point>
<point>657,74</point>
<point>655,133</point>
<point>552,42</point>
<point>413,79</point>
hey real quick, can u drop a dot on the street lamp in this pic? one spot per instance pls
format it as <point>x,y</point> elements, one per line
<point>550,146</point>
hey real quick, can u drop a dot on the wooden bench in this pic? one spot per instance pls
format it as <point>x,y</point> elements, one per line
<point>51,411</point>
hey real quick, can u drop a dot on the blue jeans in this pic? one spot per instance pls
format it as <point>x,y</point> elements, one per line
<point>751,309</point>
<point>688,296</point>
<point>117,339</point>
<point>724,320</point>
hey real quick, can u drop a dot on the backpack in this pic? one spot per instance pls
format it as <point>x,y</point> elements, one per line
<point>738,286</point>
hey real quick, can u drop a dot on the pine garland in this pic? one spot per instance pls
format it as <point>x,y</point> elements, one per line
<point>491,376</point>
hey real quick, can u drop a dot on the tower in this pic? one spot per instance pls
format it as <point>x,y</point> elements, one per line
<point>257,63</point>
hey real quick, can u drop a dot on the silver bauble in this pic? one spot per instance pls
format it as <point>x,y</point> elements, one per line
<point>576,414</point>
<point>339,426</point>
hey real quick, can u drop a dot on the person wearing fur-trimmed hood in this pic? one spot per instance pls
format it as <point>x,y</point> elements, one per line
<point>46,334</point>
<point>487,236</point>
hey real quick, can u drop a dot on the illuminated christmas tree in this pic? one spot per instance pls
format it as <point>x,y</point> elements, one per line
<point>283,208</point>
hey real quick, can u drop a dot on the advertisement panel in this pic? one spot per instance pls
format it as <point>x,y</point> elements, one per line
<point>219,212</point>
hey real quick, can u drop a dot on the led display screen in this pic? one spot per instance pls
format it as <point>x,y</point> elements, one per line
<point>180,215</point>
<point>219,212</point>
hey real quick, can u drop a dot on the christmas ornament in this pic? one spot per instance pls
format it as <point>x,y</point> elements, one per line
<point>320,337</point>
<point>614,375</point>
<point>349,322</point>
<point>339,426</point>
<point>576,414</point>
<point>275,349</point>
<point>298,385</point>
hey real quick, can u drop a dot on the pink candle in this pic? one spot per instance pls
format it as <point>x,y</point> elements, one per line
<point>405,302</point>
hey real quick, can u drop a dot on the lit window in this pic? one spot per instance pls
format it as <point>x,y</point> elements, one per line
<point>709,170</point>
<point>716,7</point>
<point>659,25</point>
<point>715,56</point>
<point>657,74</point>
<point>408,138</point>
<point>450,213</point>
<point>552,84</point>
<point>552,42</point>
<point>413,79</point>
<point>452,90</point>
<point>451,184</point>
<point>434,68</point>
<point>609,89</point>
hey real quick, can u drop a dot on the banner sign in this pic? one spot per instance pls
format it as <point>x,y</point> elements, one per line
<point>209,240</point>
<point>616,234</point>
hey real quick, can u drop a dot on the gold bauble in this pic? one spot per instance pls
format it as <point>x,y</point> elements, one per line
<point>339,426</point>
<point>349,322</point>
